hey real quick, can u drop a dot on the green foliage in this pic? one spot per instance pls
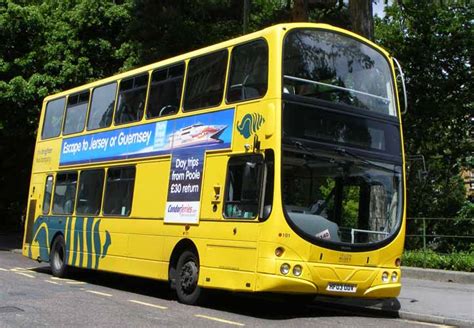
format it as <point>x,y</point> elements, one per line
<point>461,261</point>
<point>435,46</point>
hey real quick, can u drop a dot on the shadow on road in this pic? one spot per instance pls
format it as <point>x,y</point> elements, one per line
<point>262,306</point>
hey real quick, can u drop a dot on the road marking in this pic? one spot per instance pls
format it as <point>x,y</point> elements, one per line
<point>149,304</point>
<point>2,269</point>
<point>25,274</point>
<point>99,293</point>
<point>63,279</point>
<point>52,282</point>
<point>220,320</point>
<point>426,323</point>
<point>75,282</point>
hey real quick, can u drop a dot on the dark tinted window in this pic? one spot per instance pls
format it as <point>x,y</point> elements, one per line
<point>89,195</point>
<point>102,106</point>
<point>165,91</point>
<point>248,71</point>
<point>307,122</point>
<point>53,119</point>
<point>48,190</point>
<point>205,81</point>
<point>131,99</point>
<point>243,187</point>
<point>76,111</point>
<point>65,193</point>
<point>119,191</point>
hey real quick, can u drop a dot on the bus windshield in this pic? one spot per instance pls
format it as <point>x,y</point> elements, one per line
<point>337,198</point>
<point>339,69</point>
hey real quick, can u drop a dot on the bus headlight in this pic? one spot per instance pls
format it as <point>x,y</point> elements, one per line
<point>385,277</point>
<point>394,276</point>
<point>297,269</point>
<point>285,268</point>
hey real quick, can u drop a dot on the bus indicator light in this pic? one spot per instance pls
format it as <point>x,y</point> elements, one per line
<point>279,251</point>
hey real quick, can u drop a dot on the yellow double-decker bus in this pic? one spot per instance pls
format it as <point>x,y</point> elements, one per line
<point>272,162</point>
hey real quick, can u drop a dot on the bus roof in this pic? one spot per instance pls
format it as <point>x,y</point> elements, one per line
<point>225,44</point>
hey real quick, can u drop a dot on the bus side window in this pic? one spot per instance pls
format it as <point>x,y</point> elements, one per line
<point>48,189</point>
<point>243,187</point>
<point>89,195</point>
<point>248,72</point>
<point>102,106</point>
<point>165,91</point>
<point>205,81</point>
<point>268,184</point>
<point>131,99</point>
<point>76,111</point>
<point>65,193</point>
<point>119,191</point>
<point>53,118</point>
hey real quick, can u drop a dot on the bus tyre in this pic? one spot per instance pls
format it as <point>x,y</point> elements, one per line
<point>57,257</point>
<point>187,277</point>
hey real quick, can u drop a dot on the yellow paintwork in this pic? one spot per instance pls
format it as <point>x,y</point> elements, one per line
<point>233,254</point>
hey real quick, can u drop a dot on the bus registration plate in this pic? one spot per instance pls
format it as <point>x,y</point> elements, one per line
<point>342,288</point>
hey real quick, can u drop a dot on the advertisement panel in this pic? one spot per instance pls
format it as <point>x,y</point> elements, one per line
<point>186,139</point>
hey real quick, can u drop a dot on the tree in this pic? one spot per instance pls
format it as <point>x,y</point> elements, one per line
<point>434,44</point>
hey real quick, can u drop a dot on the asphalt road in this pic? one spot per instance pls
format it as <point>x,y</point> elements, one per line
<point>31,297</point>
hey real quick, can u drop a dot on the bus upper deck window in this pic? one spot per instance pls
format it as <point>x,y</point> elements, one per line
<point>53,118</point>
<point>76,111</point>
<point>165,91</point>
<point>248,71</point>
<point>102,106</point>
<point>205,81</point>
<point>131,99</point>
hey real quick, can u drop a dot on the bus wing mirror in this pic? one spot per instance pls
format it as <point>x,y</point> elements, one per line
<point>402,78</point>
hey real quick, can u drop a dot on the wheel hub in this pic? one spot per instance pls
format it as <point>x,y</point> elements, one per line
<point>189,276</point>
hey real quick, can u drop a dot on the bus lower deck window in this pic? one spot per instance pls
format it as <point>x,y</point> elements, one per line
<point>65,193</point>
<point>119,191</point>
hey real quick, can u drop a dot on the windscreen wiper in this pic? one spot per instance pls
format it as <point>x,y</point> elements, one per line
<point>347,153</point>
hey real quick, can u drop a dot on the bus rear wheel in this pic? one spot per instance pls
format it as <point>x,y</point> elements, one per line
<point>187,288</point>
<point>57,257</point>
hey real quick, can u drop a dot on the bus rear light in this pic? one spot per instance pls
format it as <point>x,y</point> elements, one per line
<point>297,270</point>
<point>279,251</point>
<point>398,262</point>
<point>385,277</point>
<point>285,268</point>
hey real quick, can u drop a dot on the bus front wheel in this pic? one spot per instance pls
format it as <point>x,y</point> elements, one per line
<point>187,288</point>
<point>57,257</point>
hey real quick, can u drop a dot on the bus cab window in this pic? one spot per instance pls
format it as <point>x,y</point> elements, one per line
<point>131,99</point>
<point>165,91</point>
<point>76,111</point>
<point>53,118</point>
<point>248,71</point>
<point>102,106</point>
<point>119,191</point>
<point>48,189</point>
<point>243,187</point>
<point>205,81</point>
<point>89,195</point>
<point>65,193</point>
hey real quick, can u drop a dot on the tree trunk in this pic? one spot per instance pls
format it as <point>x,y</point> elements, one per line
<point>299,12</point>
<point>362,18</point>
